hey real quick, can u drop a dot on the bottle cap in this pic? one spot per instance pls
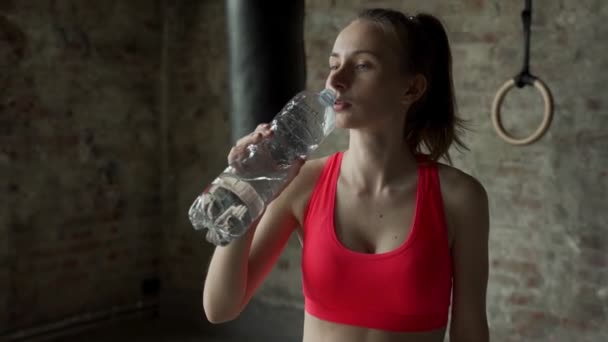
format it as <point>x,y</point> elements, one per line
<point>328,97</point>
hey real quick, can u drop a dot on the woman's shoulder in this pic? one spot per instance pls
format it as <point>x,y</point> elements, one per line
<point>455,178</point>
<point>311,170</point>
<point>304,184</point>
<point>465,203</point>
<point>462,192</point>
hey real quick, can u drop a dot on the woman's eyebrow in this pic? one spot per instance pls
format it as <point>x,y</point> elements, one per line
<point>356,52</point>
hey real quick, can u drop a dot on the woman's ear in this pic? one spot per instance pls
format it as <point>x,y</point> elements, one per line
<point>416,89</point>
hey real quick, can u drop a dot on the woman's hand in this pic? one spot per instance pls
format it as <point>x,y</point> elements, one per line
<point>241,149</point>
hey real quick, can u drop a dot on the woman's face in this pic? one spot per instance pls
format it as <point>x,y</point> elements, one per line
<point>367,75</point>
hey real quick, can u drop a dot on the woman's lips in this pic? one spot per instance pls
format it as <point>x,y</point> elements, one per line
<point>341,105</point>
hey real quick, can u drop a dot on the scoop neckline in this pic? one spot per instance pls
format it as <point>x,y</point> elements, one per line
<point>413,225</point>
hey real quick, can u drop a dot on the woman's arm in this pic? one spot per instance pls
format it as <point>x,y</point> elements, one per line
<point>237,270</point>
<point>467,213</point>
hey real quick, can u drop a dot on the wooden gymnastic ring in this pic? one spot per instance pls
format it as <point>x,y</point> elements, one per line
<point>547,117</point>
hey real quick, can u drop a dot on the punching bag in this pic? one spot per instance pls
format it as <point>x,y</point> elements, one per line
<point>267,61</point>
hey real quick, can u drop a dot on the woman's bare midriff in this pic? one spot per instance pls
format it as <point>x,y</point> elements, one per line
<point>316,330</point>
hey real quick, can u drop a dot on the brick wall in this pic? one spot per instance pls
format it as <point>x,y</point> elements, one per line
<point>79,168</point>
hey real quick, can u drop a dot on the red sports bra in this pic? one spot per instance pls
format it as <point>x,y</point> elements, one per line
<point>406,289</point>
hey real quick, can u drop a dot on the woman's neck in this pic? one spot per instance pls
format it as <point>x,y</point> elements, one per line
<point>376,162</point>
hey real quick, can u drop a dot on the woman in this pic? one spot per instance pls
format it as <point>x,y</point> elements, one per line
<point>392,239</point>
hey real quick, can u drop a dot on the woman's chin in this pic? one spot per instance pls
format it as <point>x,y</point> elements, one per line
<point>342,125</point>
<point>344,120</point>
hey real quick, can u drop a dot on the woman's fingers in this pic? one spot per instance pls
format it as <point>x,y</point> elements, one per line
<point>239,150</point>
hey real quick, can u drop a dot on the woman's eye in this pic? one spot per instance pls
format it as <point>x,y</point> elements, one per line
<point>362,66</point>
<point>333,67</point>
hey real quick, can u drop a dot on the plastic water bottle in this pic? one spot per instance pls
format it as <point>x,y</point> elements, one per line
<point>239,195</point>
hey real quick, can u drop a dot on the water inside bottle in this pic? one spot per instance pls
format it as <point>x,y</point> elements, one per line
<point>237,197</point>
<point>227,208</point>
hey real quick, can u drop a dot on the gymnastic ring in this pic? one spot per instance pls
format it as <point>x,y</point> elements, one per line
<point>547,115</point>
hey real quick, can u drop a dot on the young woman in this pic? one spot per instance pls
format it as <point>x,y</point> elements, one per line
<point>392,238</point>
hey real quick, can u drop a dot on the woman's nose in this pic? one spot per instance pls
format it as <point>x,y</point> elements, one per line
<point>337,80</point>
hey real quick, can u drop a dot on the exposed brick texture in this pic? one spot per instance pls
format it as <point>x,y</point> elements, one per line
<point>79,168</point>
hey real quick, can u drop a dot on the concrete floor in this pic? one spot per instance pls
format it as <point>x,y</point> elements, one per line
<point>257,323</point>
